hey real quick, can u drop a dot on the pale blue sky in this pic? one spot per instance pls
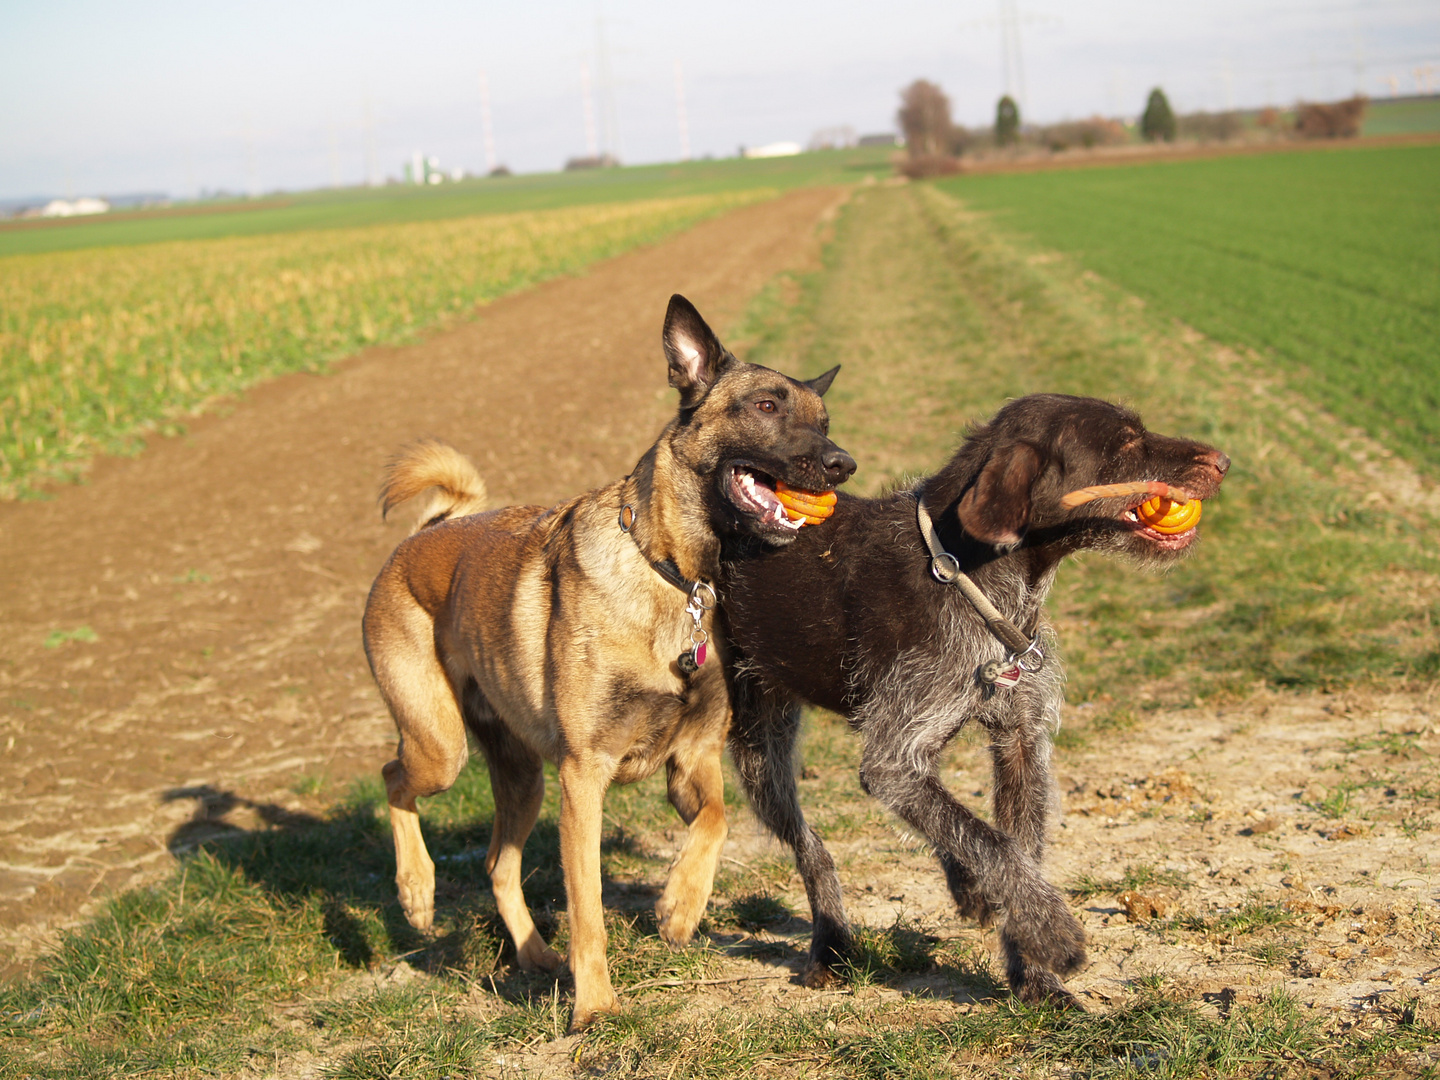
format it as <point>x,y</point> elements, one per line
<point>167,96</point>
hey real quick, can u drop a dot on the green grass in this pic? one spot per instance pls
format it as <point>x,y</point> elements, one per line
<point>1138,878</point>
<point>394,204</point>
<point>1307,577</point>
<point>99,347</point>
<point>1326,262</point>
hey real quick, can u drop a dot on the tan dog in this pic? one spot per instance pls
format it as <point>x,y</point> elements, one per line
<point>576,634</point>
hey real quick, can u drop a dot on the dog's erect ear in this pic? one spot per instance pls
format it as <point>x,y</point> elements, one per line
<point>996,508</point>
<point>692,351</point>
<point>821,383</point>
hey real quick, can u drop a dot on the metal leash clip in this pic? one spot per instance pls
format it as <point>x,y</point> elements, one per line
<point>700,602</point>
<point>1007,672</point>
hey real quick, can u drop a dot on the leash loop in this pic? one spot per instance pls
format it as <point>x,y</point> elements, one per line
<point>1023,654</point>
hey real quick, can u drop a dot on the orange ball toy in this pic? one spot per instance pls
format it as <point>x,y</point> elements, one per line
<point>1165,516</point>
<point>806,507</point>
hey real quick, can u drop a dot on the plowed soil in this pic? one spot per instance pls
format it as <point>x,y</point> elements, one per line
<point>223,573</point>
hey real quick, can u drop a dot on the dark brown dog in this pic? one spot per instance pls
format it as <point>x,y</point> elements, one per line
<point>851,617</point>
<point>566,634</point>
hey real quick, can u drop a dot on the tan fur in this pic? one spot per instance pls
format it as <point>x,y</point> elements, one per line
<point>455,486</point>
<point>550,635</point>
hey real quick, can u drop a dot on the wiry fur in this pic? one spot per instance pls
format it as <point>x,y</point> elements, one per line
<point>455,486</point>
<point>850,618</point>
<point>549,634</point>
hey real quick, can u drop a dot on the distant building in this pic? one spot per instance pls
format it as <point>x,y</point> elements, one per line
<point>880,140</point>
<point>774,149</point>
<point>833,138</point>
<point>426,170</point>
<point>73,207</point>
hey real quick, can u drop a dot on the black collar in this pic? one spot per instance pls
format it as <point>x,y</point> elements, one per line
<point>666,568</point>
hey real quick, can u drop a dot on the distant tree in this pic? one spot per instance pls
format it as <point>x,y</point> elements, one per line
<point>1007,121</point>
<point>1339,120</point>
<point>1159,121</point>
<point>924,117</point>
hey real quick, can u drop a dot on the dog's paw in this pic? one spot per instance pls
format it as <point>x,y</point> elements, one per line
<point>679,910</point>
<point>818,975</point>
<point>1040,987</point>
<point>586,1011</point>
<point>537,956</point>
<point>417,900</point>
<point>1047,933</point>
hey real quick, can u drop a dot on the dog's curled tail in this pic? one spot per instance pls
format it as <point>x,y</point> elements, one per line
<point>437,467</point>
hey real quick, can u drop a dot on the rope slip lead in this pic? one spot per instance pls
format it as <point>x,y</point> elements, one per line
<point>701,599</point>
<point>1022,654</point>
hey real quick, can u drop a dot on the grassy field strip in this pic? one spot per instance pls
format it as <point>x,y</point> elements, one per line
<point>1328,262</point>
<point>392,204</point>
<point>284,952</point>
<point>1310,576</point>
<point>99,346</point>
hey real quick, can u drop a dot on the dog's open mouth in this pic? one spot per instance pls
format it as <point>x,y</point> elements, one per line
<point>753,492</point>
<point>1165,541</point>
<point>1168,518</point>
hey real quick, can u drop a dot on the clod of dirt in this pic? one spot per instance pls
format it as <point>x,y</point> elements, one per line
<point>1142,907</point>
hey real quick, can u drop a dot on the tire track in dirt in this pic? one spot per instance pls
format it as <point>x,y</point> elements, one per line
<point>223,573</point>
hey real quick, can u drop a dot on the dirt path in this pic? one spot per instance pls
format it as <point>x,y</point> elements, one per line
<point>222,574</point>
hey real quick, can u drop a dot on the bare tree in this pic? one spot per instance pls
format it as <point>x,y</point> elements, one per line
<point>924,117</point>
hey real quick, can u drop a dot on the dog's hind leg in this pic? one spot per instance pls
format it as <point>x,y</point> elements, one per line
<point>517,783</point>
<point>1023,796</point>
<point>763,731</point>
<point>696,785</point>
<point>400,642</point>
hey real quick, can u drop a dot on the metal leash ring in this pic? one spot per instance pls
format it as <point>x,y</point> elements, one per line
<point>1019,659</point>
<point>945,568</point>
<point>698,600</point>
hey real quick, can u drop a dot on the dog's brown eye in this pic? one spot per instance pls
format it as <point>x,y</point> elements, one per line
<point>765,406</point>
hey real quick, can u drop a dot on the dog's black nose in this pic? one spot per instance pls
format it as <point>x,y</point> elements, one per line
<point>838,465</point>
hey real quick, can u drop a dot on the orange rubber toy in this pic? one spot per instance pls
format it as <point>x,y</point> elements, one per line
<point>1165,516</point>
<point>806,507</point>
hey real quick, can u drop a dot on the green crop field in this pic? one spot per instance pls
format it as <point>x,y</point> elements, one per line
<point>98,345</point>
<point>1327,263</point>
<point>395,203</point>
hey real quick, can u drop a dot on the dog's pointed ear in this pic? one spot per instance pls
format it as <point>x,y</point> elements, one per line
<point>821,383</point>
<point>996,508</point>
<point>692,351</point>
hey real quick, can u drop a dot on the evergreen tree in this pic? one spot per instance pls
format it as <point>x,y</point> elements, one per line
<point>1007,121</point>
<point>1158,121</point>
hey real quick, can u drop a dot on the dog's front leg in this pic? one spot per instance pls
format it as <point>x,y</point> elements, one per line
<point>898,768</point>
<point>1023,792</point>
<point>414,869</point>
<point>763,732</point>
<point>582,793</point>
<point>696,785</point>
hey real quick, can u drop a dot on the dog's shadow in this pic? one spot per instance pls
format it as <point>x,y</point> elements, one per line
<point>343,863</point>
